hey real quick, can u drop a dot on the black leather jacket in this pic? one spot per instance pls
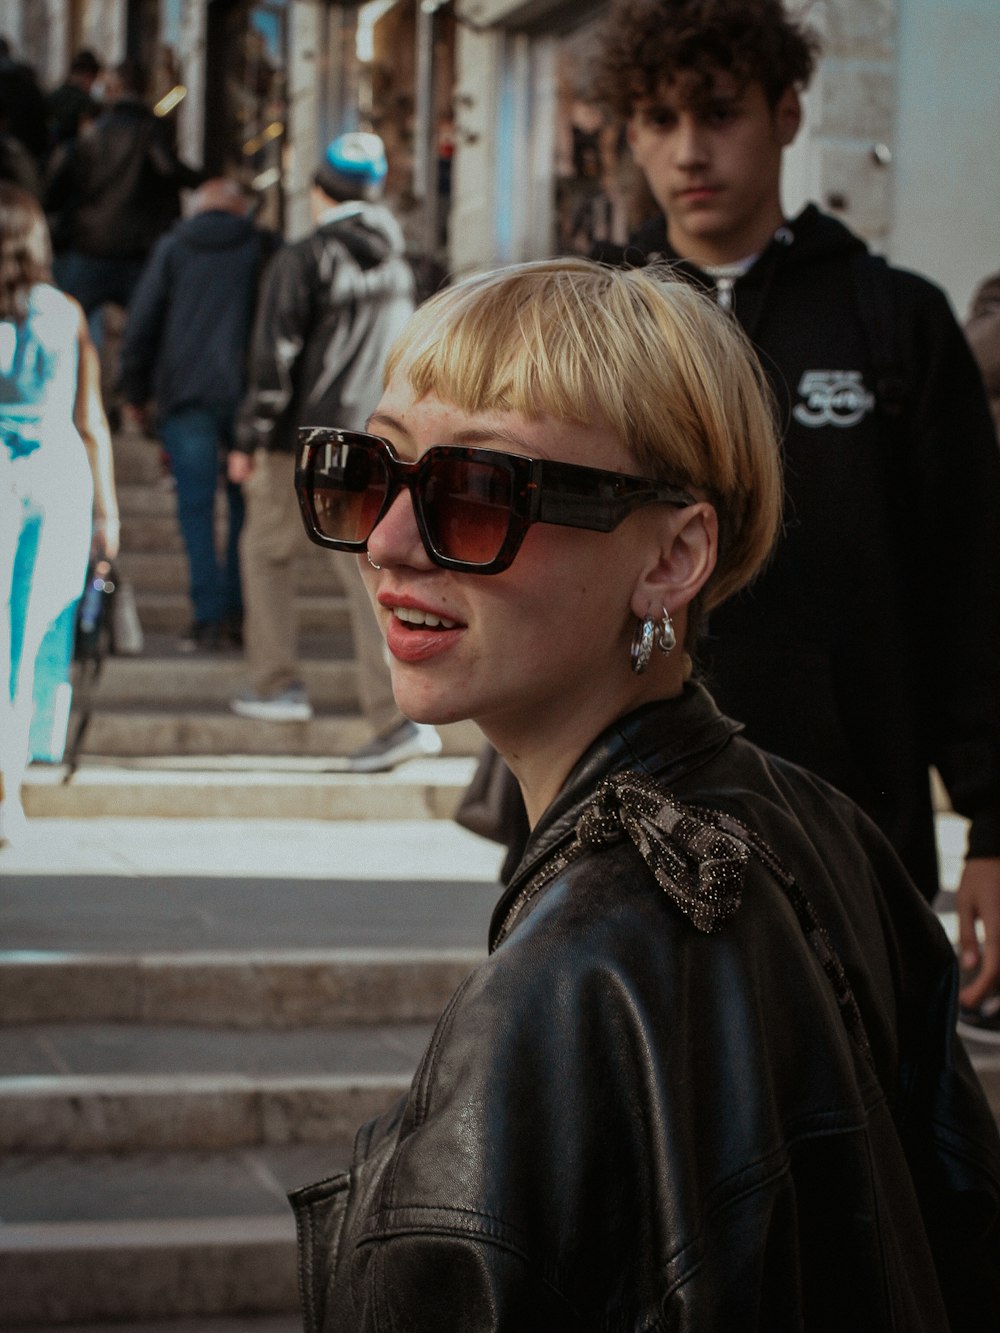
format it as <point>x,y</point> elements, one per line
<point>707,1079</point>
<point>116,189</point>
<point>329,309</point>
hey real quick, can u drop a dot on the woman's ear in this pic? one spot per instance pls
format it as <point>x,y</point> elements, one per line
<point>689,545</point>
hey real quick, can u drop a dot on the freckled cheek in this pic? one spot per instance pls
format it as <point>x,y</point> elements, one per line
<point>557,577</point>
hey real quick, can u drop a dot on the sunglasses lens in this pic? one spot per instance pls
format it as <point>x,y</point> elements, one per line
<point>349,485</point>
<point>467,508</point>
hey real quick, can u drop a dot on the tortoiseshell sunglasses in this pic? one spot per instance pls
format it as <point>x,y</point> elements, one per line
<point>472,506</point>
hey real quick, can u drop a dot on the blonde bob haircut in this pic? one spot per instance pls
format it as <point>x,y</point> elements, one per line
<point>673,377</point>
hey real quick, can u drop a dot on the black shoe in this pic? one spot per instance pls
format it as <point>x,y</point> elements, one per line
<point>982,1024</point>
<point>232,629</point>
<point>203,636</point>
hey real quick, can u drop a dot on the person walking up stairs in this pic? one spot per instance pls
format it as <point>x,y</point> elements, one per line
<point>330,308</point>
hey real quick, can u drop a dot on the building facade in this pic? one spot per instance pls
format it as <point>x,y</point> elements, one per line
<point>904,101</point>
<point>496,153</point>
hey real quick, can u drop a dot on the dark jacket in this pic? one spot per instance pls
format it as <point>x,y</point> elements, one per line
<point>330,307</point>
<point>18,166</point>
<point>191,314</point>
<point>118,185</point>
<point>982,328</point>
<point>22,103</point>
<point>869,649</point>
<point>664,1101</point>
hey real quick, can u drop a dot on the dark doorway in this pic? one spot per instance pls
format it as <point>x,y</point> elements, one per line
<point>246,98</point>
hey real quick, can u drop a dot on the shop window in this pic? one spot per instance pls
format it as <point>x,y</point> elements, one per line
<point>600,196</point>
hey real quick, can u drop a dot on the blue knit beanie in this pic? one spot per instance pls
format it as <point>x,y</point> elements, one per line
<point>353,167</point>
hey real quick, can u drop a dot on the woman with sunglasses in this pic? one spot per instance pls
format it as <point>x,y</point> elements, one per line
<point>706,1078</point>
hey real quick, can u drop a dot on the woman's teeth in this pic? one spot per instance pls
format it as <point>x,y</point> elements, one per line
<point>424,618</point>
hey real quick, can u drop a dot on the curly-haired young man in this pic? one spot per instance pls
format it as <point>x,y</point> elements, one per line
<point>870,648</point>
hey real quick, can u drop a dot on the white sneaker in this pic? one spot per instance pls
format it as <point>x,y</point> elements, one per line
<point>407,740</point>
<point>291,705</point>
<point>13,821</point>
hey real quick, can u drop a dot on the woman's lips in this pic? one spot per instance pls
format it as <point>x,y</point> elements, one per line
<point>415,615</point>
<point>416,635</point>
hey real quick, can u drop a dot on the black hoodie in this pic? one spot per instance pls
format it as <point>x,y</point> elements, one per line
<point>869,649</point>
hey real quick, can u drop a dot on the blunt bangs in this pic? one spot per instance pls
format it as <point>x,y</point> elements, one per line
<point>642,350</point>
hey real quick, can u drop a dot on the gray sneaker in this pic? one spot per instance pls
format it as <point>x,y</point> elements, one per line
<point>407,740</point>
<point>291,705</point>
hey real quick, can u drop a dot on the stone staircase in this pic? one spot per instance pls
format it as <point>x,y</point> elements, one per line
<point>162,739</point>
<point>178,1051</point>
<point>161,1093</point>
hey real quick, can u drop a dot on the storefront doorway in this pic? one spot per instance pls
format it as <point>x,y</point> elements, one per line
<point>246,98</point>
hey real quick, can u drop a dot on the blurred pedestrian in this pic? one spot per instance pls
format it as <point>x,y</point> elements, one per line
<point>17,164</point>
<point>120,189</point>
<point>22,94</point>
<point>73,102</point>
<point>982,328</point>
<point>183,374</point>
<point>706,1078</point>
<point>330,306</point>
<point>57,491</point>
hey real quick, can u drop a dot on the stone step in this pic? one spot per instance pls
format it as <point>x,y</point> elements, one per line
<point>226,1088</point>
<point>186,1236</point>
<point>137,732</point>
<point>241,788</point>
<point>244,1323</point>
<point>265,988</point>
<point>138,462</point>
<point>136,888</point>
<point>203,679</point>
<point>141,1087</point>
<point>138,499</point>
<point>108,1276</point>
<point>134,731</point>
<point>153,532</point>
<point>170,612</point>
<point>166,570</point>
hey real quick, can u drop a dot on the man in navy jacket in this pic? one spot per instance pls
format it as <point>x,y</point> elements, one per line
<point>184,366</point>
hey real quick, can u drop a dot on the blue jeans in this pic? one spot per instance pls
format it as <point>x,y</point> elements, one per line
<point>195,439</point>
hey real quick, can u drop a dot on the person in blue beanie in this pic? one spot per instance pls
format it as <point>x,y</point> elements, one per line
<point>330,307</point>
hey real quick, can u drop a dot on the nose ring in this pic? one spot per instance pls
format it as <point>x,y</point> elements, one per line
<point>372,562</point>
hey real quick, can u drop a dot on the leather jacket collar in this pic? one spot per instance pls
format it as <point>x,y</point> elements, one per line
<point>665,740</point>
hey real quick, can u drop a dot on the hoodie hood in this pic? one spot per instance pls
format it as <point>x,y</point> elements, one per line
<point>215,230</point>
<point>812,238</point>
<point>368,231</point>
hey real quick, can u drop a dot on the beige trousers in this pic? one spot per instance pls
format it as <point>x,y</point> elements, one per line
<point>271,540</point>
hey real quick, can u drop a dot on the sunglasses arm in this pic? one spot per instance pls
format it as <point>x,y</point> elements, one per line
<point>587,498</point>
